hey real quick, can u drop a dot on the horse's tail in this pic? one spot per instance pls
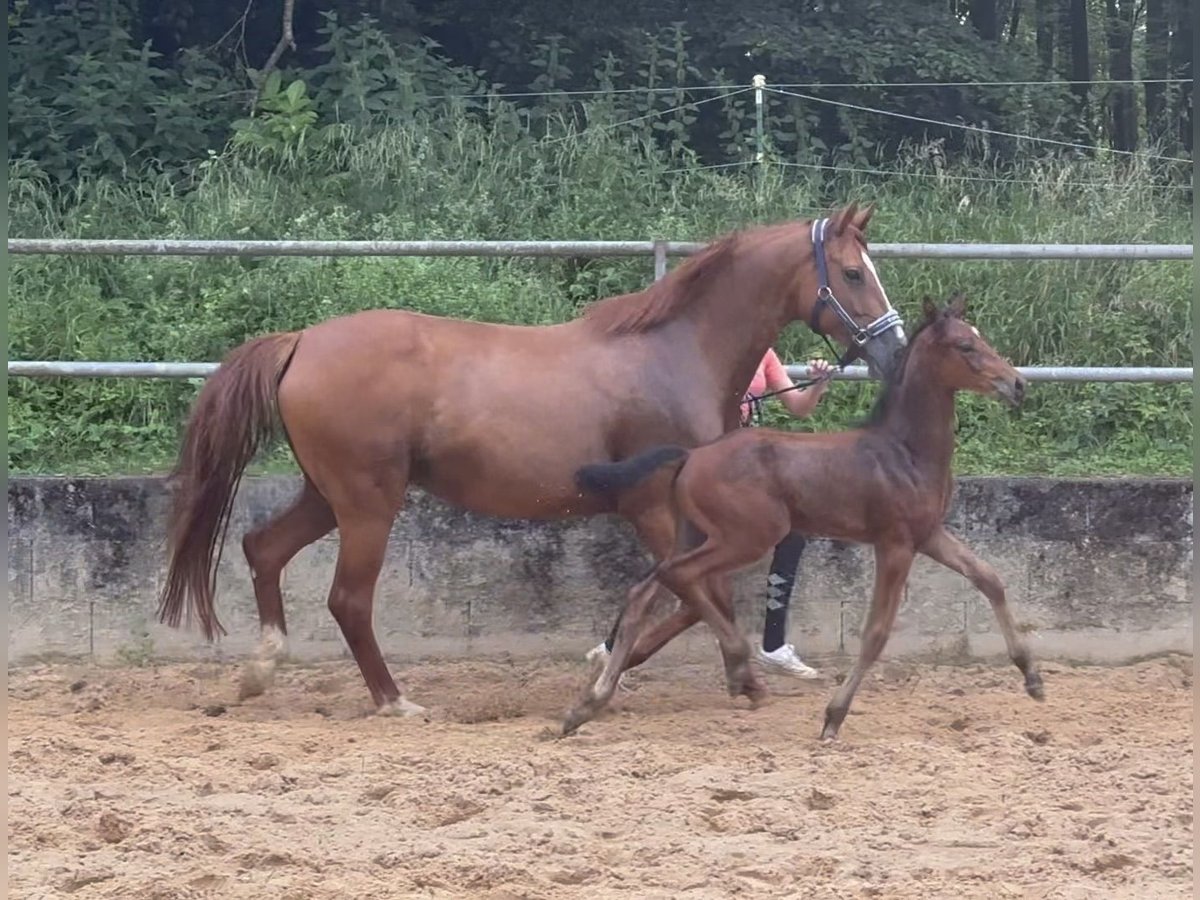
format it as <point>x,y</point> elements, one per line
<point>610,478</point>
<point>233,417</point>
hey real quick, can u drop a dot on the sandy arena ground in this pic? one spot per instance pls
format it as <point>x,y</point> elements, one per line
<point>946,782</point>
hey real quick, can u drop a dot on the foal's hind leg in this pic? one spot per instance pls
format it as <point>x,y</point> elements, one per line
<point>698,575</point>
<point>268,549</point>
<point>952,553</point>
<point>892,564</point>
<point>597,695</point>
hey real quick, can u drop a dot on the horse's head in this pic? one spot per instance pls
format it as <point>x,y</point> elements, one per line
<point>965,361</point>
<point>850,304</point>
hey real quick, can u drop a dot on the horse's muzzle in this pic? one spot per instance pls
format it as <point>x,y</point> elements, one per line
<point>883,353</point>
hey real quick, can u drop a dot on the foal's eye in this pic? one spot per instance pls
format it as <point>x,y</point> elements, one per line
<point>854,276</point>
<point>965,346</point>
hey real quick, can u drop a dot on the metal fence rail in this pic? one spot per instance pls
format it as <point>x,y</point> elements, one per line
<point>54,368</point>
<point>104,247</point>
<point>660,250</point>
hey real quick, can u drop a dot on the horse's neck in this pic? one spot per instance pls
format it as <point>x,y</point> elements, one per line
<point>921,417</point>
<point>737,319</point>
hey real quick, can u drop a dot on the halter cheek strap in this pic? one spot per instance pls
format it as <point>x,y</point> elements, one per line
<point>858,334</point>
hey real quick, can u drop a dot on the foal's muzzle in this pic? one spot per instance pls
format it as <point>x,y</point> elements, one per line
<point>1012,390</point>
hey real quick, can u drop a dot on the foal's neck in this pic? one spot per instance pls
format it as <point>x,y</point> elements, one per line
<point>921,418</point>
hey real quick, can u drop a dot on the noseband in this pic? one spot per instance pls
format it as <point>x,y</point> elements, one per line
<point>858,334</point>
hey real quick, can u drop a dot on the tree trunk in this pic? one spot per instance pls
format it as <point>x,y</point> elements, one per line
<point>1122,107</point>
<point>1076,40</point>
<point>984,18</point>
<point>1043,17</point>
<point>1014,21</point>
<point>1158,29</point>
<point>1181,67</point>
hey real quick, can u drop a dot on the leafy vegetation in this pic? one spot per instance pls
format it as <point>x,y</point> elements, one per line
<point>378,136</point>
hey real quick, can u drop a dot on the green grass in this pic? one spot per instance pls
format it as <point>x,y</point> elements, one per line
<point>463,180</point>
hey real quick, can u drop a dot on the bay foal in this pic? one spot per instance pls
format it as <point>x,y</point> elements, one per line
<point>887,484</point>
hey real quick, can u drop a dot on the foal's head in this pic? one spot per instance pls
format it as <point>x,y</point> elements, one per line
<point>958,356</point>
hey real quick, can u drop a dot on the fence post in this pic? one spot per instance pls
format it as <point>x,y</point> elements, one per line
<point>759,82</point>
<point>660,259</point>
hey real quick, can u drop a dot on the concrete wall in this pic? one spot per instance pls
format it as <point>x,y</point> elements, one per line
<point>1099,570</point>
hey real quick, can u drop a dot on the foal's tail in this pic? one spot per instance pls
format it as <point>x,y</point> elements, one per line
<point>611,478</point>
<point>233,417</point>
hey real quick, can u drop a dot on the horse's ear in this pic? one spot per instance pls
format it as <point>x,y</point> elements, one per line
<point>844,217</point>
<point>863,216</point>
<point>928,308</point>
<point>958,305</point>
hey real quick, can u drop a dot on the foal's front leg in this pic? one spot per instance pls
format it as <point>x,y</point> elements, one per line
<point>892,564</point>
<point>952,553</point>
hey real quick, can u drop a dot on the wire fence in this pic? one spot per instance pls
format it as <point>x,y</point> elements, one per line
<point>659,250</point>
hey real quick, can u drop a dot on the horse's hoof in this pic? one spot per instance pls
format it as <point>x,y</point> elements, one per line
<point>402,708</point>
<point>756,692</point>
<point>256,678</point>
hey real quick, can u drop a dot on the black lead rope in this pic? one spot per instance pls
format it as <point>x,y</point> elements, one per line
<point>755,400</point>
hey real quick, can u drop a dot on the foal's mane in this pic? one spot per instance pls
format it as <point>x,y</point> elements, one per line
<point>887,393</point>
<point>664,299</point>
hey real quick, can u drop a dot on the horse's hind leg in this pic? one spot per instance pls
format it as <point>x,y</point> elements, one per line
<point>268,549</point>
<point>952,553</point>
<point>364,535</point>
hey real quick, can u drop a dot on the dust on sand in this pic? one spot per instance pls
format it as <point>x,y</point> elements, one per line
<point>945,782</point>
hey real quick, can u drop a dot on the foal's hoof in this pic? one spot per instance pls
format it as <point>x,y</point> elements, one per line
<point>402,708</point>
<point>575,718</point>
<point>833,723</point>
<point>1034,687</point>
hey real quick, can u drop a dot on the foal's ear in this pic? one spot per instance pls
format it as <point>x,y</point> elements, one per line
<point>928,308</point>
<point>958,305</point>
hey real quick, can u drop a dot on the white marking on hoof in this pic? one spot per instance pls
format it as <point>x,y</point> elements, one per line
<point>273,644</point>
<point>260,673</point>
<point>401,707</point>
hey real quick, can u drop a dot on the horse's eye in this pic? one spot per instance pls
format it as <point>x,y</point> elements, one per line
<point>965,346</point>
<point>854,276</point>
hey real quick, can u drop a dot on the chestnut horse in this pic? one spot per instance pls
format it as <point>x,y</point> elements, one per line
<point>377,401</point>
<point>887,484</point>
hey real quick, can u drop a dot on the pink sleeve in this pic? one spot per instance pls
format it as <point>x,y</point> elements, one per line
<point>777,376</point>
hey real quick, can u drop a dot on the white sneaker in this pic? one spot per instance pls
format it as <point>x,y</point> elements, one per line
<point>785,660</point>
<point>600,653</point>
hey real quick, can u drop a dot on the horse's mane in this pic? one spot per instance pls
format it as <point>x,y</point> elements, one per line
<point>664,299</point>
<point>887,393</point>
